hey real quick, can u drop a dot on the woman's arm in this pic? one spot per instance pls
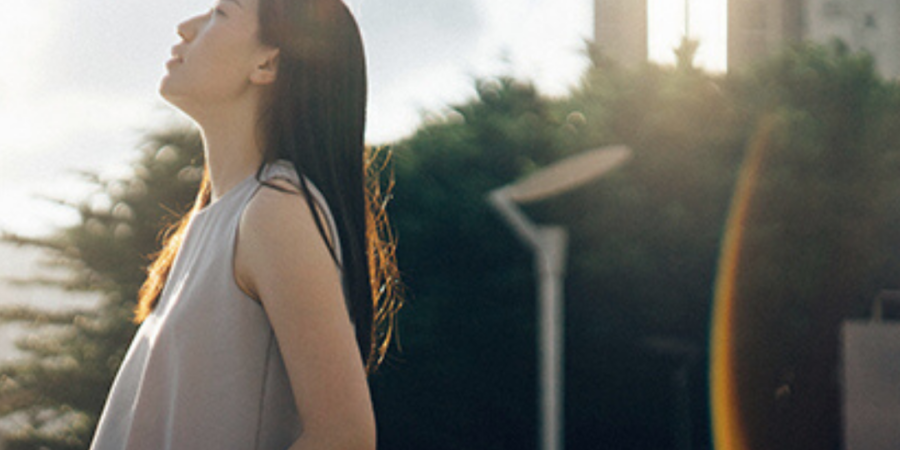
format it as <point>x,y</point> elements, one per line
<point>282,258</point>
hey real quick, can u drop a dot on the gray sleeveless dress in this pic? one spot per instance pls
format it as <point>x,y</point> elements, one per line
<point>204,370</point>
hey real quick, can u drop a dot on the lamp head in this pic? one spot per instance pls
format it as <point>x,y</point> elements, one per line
<point>568,174</point>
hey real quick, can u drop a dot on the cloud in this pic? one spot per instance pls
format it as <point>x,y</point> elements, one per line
<point>116,46</point>
<point>27,29</point>
<point>405,36</point>
<point>85,83</point>
<point>540,40</point>
<point>423,55</point>
<point>88,71</point>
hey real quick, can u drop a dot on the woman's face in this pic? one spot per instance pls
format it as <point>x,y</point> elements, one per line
<point>218,59</point>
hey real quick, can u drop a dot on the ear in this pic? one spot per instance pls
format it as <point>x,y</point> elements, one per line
<point>266,70</point>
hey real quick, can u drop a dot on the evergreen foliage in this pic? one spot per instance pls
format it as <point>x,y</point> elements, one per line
<point>645,244</point>
<point>53,397</point>
<point>821,236</point>
<point>644,250</point>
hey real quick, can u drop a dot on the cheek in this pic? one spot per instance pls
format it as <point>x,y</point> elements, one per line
<point>219,65</point>
<point>228,54</point>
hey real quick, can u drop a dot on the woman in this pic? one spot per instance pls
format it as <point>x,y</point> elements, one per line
<point>258,324</point>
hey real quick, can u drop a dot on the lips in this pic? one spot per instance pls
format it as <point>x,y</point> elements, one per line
<point>175,61</point>
<point>176,55</point>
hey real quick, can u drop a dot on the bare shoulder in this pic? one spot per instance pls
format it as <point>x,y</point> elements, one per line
<point>284,260</point>
<point>277,237</point>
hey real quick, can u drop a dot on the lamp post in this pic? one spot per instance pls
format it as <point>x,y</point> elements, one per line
<point>549,246</point>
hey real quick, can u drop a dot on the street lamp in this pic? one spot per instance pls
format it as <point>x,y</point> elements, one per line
<point>549,246</point>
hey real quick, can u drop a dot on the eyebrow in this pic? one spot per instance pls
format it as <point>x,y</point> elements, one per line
<point>236,3</point>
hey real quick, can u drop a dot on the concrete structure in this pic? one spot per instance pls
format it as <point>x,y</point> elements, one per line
<point>620,29</point>
<point>871,395</point>
<point>756,28</point>
<point>870,25</point>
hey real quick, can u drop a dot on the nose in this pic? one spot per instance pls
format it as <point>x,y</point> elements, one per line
<point>188,29</point>
<point>185,30</point>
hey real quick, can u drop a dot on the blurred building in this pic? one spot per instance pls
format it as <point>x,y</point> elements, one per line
<point>756,28</point>
<point>620,29</point>
<point>871,395</point>
<point>871,25</point>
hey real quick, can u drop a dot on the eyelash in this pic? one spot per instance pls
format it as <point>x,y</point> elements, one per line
<point>217,11</point>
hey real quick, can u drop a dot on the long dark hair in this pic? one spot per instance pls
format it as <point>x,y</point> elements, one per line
<point>313,115</point>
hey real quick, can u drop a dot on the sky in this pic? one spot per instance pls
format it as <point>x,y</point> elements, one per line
<point>78,80</point>
<point>79,88</point>
<point>703,20</point>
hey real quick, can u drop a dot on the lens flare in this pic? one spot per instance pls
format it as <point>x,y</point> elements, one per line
<point>729,432</point>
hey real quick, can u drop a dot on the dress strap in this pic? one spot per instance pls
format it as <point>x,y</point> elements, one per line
<point>284,169</point>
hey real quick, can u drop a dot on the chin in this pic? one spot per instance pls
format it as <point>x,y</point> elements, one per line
<point>171,99</point>
<point>164,87</point>
<point>168,92</point>
<point>180,103</point>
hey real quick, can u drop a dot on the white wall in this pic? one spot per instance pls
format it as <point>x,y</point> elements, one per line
<point>871,25</point>
<point>871,370</point>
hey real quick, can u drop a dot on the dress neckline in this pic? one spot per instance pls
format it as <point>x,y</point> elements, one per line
<point>270,166</point>
<point>228,194</point>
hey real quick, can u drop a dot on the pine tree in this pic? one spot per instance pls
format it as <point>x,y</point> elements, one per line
<point>52,397</point>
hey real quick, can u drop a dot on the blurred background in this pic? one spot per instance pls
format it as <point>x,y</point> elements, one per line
<point>720,282</point>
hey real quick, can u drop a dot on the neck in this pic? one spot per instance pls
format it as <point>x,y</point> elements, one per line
<point>230,148</point>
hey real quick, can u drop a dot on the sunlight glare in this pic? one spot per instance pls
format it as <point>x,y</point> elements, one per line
<point>27,29</point>
<point>666,23</point>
